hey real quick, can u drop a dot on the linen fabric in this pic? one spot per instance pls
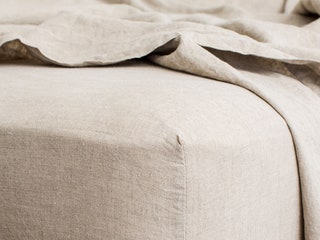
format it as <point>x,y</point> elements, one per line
<point>272,54</point>
<point>136,151</point>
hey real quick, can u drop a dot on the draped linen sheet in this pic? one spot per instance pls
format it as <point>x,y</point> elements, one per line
<point>274,54</point>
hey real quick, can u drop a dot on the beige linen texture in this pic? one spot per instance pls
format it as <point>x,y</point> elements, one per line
<point>141,152</point>
<point>274,55</point>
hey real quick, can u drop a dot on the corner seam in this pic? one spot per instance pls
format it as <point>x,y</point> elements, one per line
<point>185,187</point>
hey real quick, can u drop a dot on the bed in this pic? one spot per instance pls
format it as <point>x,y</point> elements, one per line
<point>137,150</point>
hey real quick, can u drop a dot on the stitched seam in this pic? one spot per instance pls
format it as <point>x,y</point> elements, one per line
<point>185,187</point>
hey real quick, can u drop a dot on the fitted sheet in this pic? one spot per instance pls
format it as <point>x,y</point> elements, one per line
<point>135,151</point>
<point>273,53</point>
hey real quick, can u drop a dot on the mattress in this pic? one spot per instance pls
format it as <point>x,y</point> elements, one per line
<point>136,151</point>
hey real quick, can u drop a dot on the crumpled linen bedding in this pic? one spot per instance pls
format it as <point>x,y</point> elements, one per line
<point>273,53</point>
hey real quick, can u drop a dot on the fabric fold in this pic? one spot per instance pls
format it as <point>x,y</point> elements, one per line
<point>215,44</point>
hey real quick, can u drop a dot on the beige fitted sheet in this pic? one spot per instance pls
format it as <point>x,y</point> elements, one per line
<point>135,151</point>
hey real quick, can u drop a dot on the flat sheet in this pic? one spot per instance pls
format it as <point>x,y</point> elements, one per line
<point>265,53</point>
<point>136,151</point>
